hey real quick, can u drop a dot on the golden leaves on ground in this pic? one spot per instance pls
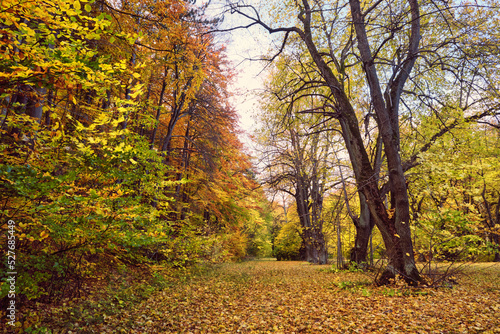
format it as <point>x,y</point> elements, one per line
<point>292,297</point>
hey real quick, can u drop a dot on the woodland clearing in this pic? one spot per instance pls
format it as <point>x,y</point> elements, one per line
<point>284,297</point>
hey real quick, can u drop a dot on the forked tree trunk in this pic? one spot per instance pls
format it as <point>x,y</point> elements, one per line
<point>394,225</point>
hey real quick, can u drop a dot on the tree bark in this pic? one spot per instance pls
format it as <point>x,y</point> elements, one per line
<point>364,227</point>
<point>36,103</point>
<point>315,250</point>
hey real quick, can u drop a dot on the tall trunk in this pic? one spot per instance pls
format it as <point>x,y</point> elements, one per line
<point>364,226</point>
<point>316,193</point>
<point>395,227</point>
<point>158,112</point>
<point>185,159</point>
<point>179,100</point>
<point>340,257</point>
<point>174,118</point>
<point>315,244</point>
<point>301,199</point>
<point>184,165</point>
<point>318,243</point>
<point>35,105</point>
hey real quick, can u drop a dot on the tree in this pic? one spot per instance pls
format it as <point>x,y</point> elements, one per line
<point>394,224</point>
<point>381,41</point>
<point>296,150</point>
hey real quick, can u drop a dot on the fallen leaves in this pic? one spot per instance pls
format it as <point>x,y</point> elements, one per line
<point>288,297</point>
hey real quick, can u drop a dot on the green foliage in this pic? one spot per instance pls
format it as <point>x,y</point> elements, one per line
<point>454,197</point>
<point>288,242</point>
<point>450,234</point>
<point>258,231</point>
<point>70,202</point>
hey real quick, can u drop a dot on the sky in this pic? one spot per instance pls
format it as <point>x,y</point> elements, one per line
<point>248,82</point>
<point>243,45</point>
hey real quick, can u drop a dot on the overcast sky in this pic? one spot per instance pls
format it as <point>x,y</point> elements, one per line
<point>242,46</point>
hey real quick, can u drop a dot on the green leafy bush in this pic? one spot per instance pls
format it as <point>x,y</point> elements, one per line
<point>288,242</point>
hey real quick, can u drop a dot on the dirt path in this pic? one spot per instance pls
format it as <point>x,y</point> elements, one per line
<point>293,297</point>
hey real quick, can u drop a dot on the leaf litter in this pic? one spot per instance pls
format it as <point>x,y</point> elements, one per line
<point>295,297</point>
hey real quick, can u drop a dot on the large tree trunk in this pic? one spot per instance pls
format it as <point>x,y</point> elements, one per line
<point>315,250</point>
<point>318,243</point>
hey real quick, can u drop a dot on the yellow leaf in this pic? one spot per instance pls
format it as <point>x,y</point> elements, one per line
<point>135,94</point>
<point>397,235</point>
<point>77,5</point>
<point>44,234</point>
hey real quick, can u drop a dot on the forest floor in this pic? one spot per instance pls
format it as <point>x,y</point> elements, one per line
<point>283,297</point>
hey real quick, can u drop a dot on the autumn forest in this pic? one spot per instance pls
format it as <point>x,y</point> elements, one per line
<point>367,200</point>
